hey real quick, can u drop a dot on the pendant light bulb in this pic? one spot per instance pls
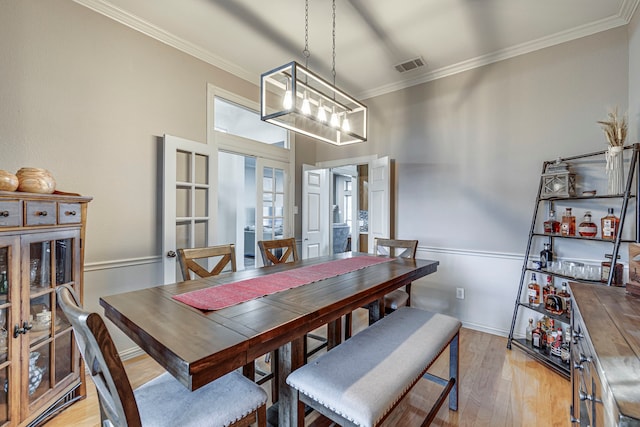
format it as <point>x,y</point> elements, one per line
<point>322,113</point>
<point>335,122</point>
<point>345,124</point>
<point>306,106</point>
<point>287,101</point>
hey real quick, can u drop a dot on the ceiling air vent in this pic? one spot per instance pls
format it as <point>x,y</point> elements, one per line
<point>410,64</point>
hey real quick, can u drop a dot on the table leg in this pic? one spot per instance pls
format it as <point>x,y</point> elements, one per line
<point>291,357</point>
<point>376,311</point>
<point>334,333</point>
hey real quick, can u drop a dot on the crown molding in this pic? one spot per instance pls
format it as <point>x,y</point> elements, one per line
<point>628,8</point>
<point>623,17</point>
<point>109,10</point>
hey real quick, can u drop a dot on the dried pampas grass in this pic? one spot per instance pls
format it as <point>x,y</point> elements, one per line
<point>615,128</point>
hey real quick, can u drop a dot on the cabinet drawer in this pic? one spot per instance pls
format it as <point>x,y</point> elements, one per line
<point>11,213</point>
<point>40,213</point>
<point>69,213</point>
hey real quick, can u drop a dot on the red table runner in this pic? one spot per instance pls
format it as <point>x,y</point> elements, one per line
<point>218,297</point>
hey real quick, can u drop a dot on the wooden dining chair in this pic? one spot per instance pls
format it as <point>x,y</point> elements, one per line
<point>281,251</point>
<point>163,401</point>
<point>225,255</point>
<point>278,251</point>
<point>188,260</point>
<point>393,248</point>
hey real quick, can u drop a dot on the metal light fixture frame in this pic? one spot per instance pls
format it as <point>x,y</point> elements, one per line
<point>297,99</point>
<point>301,82</point>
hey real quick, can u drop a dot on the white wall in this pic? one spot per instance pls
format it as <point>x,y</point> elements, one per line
<point>469,150</point>
<point>634,80</point>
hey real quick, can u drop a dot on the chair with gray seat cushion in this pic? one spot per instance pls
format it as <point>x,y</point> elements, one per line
<point>193,260</point>
<point>197,261</point>
<point>394,248</point>
<point>281,251</point>
<point>231,400</point>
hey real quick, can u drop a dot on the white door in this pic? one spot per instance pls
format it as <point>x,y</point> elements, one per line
<point>315,212</point>
<point>189,199</point>
<point>273,189</point>
<point>379,200</point>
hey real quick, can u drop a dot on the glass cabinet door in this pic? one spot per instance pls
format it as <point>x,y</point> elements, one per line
<point>9,311</point>
<point>52,358</point>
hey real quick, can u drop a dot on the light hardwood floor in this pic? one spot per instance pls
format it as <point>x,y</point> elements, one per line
<point>498,387</point>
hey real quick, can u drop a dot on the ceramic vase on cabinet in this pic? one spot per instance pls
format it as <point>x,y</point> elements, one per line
<point>36,180</point>
<point>8,181</point>
<point>615,170</point>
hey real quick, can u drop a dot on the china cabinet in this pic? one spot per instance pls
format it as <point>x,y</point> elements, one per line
<point>578,186</point>
<point>41,247</point>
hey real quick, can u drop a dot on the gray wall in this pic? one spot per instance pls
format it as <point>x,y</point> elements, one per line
<point>87,98</point>
<point>469,150</point>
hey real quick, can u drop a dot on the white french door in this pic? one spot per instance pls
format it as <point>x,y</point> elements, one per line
<point>272,200</point>
<point>315,211</point>
<point>189,199</point>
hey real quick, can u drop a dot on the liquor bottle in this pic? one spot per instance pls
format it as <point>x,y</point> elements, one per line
<point>543,338</point>
<point>587,228</point>
<point>564,294</point>
<point>548,288</point>
<point>546,256</point>
<point>610,224</point>
<point>552,225</point>
<point>534,291</point>
<point>530,330</point>
<point>536,336</point>
<point>4,283</point>
<point>616,280</point>
<point>568,225</point>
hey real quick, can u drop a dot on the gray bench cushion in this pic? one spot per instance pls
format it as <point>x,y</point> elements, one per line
<point>163,401</point>
<point>363,378</point>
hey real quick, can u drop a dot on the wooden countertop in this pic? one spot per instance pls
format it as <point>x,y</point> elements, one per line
<point>612,319</point>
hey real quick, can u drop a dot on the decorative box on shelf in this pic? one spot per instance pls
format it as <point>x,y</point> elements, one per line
<point>633,286</point>
<point>558,181</point>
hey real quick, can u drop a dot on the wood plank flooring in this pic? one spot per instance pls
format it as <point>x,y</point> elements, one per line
<point>498,387</point>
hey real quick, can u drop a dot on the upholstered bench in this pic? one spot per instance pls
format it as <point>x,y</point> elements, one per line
<point>359,382</point>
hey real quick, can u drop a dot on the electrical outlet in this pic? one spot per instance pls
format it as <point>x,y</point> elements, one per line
<point>460,293</point>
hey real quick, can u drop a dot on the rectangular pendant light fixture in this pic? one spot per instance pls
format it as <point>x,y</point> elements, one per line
<point>295,98</point>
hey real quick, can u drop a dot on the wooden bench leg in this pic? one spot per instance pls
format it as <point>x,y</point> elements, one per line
<point>454,367</point>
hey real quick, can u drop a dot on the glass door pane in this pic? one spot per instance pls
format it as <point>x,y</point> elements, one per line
<point>273,183</point>
<point>192,189</point>
<point>237,206</point>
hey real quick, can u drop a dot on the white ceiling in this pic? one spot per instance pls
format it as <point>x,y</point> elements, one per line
<point>249,37</point>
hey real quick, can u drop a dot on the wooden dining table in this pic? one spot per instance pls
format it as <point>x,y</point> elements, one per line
<point>199,346</point>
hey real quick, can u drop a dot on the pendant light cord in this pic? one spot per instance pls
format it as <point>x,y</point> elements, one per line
<point>333,67</point>
<point>306,52</point>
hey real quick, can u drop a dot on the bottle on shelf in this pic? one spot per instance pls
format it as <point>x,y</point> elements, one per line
<point>568,225</point>
<point>530,328</point>
<point>587,227</point>
<point>552,225</point>
<point>609,225</point>
<point>566,297</point>
<point>534,291</point>
<point>546,255</point>
<point>606,269</point>
<point>536,336</point>
<point>548,288</point>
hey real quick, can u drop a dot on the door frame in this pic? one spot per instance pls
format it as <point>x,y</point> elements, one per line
<point>369,160</point>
